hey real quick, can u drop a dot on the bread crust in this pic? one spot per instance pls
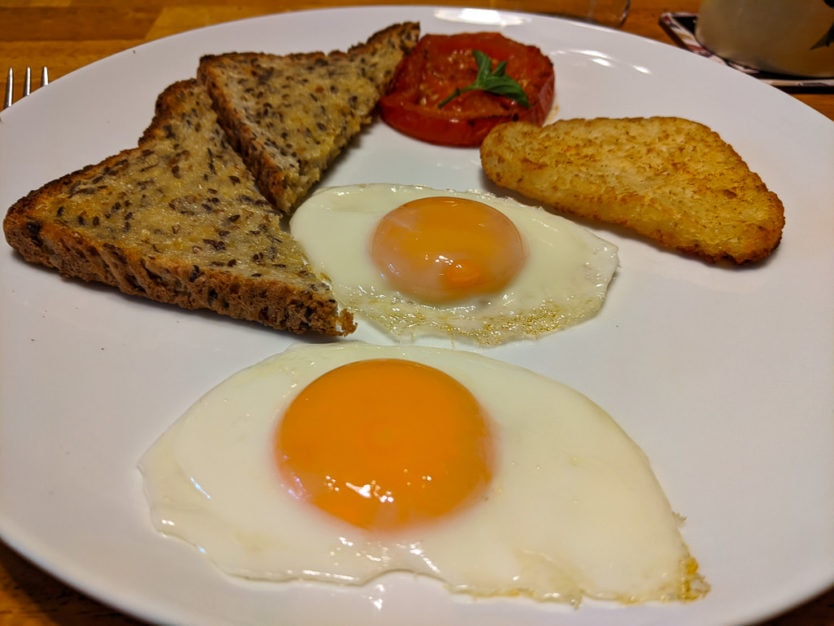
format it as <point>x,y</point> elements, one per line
<point>178,220</point>
<point>287,135</point>
<point>672,181</point>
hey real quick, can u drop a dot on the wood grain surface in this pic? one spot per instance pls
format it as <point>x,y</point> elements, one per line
<point>67,34</point>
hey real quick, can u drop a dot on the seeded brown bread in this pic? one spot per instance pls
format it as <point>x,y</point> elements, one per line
<point>290,116</point>
<point>673,181</point>
<point>177,220</point>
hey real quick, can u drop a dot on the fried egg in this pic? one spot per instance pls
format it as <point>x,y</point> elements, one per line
<point>418,261</point>
<point>341,462</point>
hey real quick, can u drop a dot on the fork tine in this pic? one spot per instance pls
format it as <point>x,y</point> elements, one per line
<point>7,102</point>
<point>27,84</point>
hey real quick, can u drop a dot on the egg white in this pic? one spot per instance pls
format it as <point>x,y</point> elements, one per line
<point>564,281</point>
<point>574,509</point>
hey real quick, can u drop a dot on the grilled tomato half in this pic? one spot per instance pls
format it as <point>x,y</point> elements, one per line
<point>453,89</point>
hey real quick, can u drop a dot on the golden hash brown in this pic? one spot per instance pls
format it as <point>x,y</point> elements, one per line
<point>672,181</point>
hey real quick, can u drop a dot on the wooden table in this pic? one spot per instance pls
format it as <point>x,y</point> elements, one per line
<point>68,34</point>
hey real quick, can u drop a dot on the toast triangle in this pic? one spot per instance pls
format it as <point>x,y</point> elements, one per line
<point>290,116</point>
<point>177,219</point>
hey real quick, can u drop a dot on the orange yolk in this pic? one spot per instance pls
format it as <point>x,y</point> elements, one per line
<point>384,444</point>
<point>444,249</point>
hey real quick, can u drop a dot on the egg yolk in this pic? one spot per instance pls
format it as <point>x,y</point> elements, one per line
<point>384,444</point>
<point>445,249</point>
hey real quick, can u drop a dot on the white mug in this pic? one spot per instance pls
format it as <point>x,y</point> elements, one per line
<point>793,37</point>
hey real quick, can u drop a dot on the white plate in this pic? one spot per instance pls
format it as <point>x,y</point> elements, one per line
<point>723,376</point>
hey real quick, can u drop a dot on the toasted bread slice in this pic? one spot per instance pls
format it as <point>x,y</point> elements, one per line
<point>290,116</point>
<point>179,220</point>
<point>670,180</point>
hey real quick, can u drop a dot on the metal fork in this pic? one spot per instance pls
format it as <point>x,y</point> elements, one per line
<point>27,84</point>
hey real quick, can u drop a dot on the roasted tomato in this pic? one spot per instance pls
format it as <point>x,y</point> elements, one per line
<point>440,64</point>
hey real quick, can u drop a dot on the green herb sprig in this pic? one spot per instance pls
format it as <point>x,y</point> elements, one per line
<point>492,81</point>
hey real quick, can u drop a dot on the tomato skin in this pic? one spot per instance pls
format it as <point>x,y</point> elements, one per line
<point>441,63</point>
